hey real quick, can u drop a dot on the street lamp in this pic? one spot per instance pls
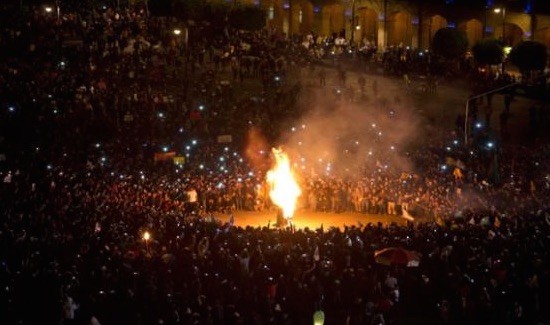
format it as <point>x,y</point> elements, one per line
<point>503,11</point>
<point>49,9</point>
<point>180,37</point>
<point>146,238</point>
<point>353,26</point>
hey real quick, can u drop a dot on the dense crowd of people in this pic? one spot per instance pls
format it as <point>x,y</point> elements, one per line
<point>87,101</point>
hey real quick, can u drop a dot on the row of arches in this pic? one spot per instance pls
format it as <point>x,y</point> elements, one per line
<point>400,27</point>
<point>403,28</point>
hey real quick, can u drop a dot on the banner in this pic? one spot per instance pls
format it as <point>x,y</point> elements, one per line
<point>195,115</point>
<point>178,160</point>
<point>164,156</point>
<point>439,221</point>
<point>457,173</point>
<point>455,162</point>
<point>226,138</point>
<point>407,216</point>
<point>319,317</point>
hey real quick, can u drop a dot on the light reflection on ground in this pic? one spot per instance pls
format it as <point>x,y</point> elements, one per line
<point>312,220</point>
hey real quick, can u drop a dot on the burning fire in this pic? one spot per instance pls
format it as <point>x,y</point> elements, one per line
<point>284,188</point>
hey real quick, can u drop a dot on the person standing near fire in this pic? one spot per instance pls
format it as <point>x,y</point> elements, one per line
<point>192,200</point>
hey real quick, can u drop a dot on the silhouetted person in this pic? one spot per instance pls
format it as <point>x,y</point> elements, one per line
<point>322,77</point>
<point>507,101</point>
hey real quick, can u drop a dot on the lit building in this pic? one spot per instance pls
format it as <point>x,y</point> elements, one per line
<point>413,22</point>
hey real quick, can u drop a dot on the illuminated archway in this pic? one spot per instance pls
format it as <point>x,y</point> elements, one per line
<point>332,19</point>
<point>275,15</point>
<point>292,21</point>
<point>473,29</point>
<point>430,26</point>
<point>513,34</point>
<point>400,28</point>
<point>367,20</point>
<point>543,36</point>
<point>305,17</point>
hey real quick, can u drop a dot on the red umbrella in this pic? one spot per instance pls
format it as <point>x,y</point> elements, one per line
<point>397,256</point>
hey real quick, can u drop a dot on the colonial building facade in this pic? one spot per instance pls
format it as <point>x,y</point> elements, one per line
<point>411,23</point>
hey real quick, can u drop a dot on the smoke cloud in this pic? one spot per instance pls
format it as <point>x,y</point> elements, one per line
<point>336,136</point>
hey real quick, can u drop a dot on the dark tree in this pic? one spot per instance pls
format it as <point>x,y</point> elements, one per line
<point>187,9</point>
<point>247,18</point>
<point>529,56</point>
<point>450,43</point>
<point>217,14</point>
<point>488,51</point>
<point>161,8</point>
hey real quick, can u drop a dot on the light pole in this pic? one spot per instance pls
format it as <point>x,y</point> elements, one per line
<point>352,21</point>
<point>177,33</point>
<point>146,237</point>
<point>534,21</point>
<point>484,33</point>
<point>467,108</point>
<point>58,10</point>
<point>290,17</point>
<point>503,11</point>
<point>386,23</point>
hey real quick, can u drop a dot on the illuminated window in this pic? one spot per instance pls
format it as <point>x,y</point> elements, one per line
<point>300,16</point>
<point>271,13</point>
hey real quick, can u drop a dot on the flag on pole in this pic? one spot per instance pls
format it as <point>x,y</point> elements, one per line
<point>164,156</point>
<point>406,215</point>
<point>497,222</point>
<point>316,255</point>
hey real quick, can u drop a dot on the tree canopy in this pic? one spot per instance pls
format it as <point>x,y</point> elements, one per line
<point>488,51</point>
<point>529,56</point>
<point>247,18</point>
<point>182,9</point>
<point>450,43</point>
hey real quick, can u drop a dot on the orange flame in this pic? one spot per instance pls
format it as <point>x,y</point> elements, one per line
<point>284,188</point>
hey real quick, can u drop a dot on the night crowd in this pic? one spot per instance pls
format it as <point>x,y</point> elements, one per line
<point>89,99</point>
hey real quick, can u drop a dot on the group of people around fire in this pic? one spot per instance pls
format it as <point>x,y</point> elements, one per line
<point>87,100</point>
